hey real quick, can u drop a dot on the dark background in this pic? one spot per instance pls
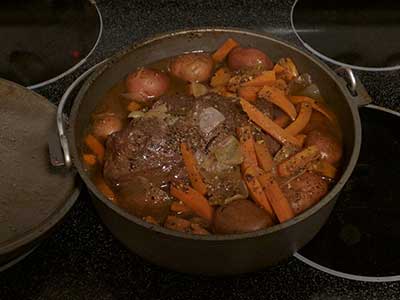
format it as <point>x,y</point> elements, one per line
<point>83,261</point>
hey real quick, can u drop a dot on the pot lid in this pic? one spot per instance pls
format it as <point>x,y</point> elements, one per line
<point>35,51</point>
<point>361,240</point>
<point>358,34</point>
<point>34,195</point>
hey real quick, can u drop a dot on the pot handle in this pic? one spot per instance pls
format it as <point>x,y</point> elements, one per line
<point>356,89</point>
<point>63,158</point>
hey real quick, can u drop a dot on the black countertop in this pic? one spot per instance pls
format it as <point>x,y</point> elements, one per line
<point>83,261</point>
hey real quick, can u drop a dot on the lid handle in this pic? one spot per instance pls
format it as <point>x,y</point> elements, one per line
<point>62,119</point>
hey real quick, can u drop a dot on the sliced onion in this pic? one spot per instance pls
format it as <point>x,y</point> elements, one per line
<point>209,119</point>
<point>228,151</point>
<point>197,89</point>
<point>243,194</point>
<point>136,114</point>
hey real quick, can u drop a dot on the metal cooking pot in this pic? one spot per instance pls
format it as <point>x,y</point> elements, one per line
<point>214,254</point>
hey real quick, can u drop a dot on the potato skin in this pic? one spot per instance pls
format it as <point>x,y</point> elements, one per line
<point>192,67</point>
<point>146,83</point>
<point>240,58</point>
<point>329,146</point>
<point>240,216</point>
<point>305,191</point>
<point>105,125</point>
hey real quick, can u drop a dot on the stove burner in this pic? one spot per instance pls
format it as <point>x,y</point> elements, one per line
<point>361,239</point>
<point>44,40</point>
<point>358,34</point>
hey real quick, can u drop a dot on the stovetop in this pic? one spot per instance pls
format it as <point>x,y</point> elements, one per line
<point>81,260</point>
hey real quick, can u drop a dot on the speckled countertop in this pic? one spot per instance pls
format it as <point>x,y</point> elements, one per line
<point>83,261</point>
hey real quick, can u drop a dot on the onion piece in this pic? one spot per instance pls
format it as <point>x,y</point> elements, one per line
<point>136,114</point>
<point>228,151</point>
<point>209,119</point>
<point>197,89</point>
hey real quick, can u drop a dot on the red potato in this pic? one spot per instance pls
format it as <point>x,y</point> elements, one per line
<point>241,216</point>
<point>192,67</point>
<point>146,83</point>
<point>329,146</point>
<point>305,191</point>
<point>106,124</point>
<point>240,58</point>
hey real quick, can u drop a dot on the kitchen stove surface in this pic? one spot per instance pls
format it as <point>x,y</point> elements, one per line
<point>83,261</point>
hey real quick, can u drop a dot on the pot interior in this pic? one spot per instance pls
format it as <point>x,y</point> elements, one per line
<point>173,44</point>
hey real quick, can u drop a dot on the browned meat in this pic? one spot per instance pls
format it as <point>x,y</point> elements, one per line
<point>149,146</point>
<point>304,191</point>
<point>144,148</point>
<point>240,216</point>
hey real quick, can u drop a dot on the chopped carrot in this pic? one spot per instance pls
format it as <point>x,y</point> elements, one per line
<point>315,105</point>
<point>192,169</point>
<point>179,207</point>
<point>324,168</point>
<point>220,78</point>
<point>248,93</point>
<point>282,120</point>
<point>302,119</point>
<point>223,91</point>
<point>256,190</point>
<point>224,50</point>
<point>261,80</point>
<point>195,201</point>
<point>197,229</point>
<point>95,146</point>
<point>268,125</point>
<point>301,138</point>
<point>151,220</point>
<point>105,189</point>
<point>275,196</point>
<point>278,97</point>
<point>290,69</point>
<point>247,147</point>
<point>89,159</point>
<point>134,106</point>
<point>264,157</point>
<point>298,161</point>
<point>278,69</point>
<point>176,223</point>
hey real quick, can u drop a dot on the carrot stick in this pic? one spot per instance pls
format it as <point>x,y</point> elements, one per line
<point>261,80</point>
<point>278,69</point>
<point>302,119</point>
<point>315,105</point>
<point>220,78</point>
<point>134,106</point>
<point>195,201</point>
<point>324,168</point>
<point>282,120</point>
<point>264,157</point>
<point>298,161</point>
<point>248,93</point>
<point>277,199</point>
<point>151,220</point>
<point>224,50</point>
<point>256,190</point>
<point>268,125</point>
<point>192,169</point>
<point>179,207</point>
<point>105,189</point>
<point>247,147</point>
<point>278,97</point>
<point>95,146</point>
<point>89,159</point>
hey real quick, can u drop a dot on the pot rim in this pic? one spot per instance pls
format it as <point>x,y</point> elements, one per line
<point>214,237</point>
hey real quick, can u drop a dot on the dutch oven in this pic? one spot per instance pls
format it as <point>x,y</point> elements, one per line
<point>214,254</point>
